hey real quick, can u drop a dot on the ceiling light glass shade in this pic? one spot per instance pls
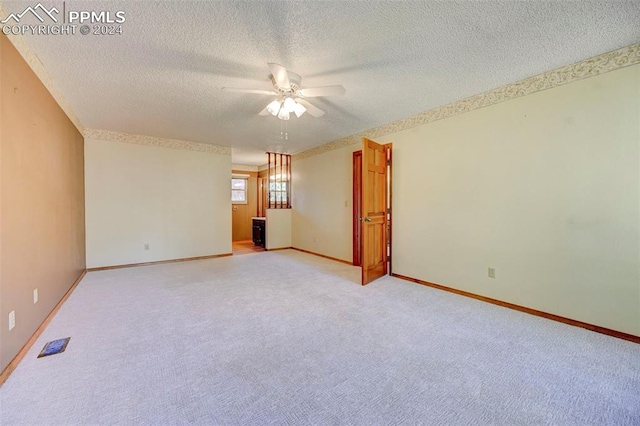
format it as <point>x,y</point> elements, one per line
<point>299,110</point>
<point>289,104</point>
<point>274,107</point>
<point>283,114</point>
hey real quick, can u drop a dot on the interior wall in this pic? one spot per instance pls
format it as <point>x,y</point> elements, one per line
<point>242,213</point>
<point>322,204</point>
<point>149,203</point>
<point>544,188</point>
<point>41,202</point>
<point>278,232</point>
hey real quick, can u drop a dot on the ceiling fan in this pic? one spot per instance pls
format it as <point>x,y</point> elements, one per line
<point>290,96</point>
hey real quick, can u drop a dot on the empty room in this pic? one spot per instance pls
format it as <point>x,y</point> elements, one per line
<point>310,212</point>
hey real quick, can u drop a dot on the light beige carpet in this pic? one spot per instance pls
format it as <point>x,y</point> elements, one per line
<point>289,338</point>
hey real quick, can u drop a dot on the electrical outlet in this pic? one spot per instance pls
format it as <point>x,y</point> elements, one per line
<point>12,320</point>
<point>35,296</point>
<point>146,246</point>
<point>492,273</point>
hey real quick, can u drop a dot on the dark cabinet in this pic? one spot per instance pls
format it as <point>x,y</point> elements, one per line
<point>258,232</point>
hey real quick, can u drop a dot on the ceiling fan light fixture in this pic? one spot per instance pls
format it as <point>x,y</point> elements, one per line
<point>299,110</point>
<point>290,97</point>
<point>283,114</point>
<point>274,107</point>
<point>289,104</point>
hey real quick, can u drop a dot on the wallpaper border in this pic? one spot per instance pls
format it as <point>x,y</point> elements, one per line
<point>244,168</point>
<point>108,135</point>
<point>610,61</point>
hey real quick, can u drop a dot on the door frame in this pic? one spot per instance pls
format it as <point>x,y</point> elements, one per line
<point>389,147</point>
<point>357,206</point>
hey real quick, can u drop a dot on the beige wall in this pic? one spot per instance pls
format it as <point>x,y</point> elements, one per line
<point>544,188</point>
<point>278,232</point>
<point>177,201</point>
<point>42,201</point>
<point>322,195</point>
<point>242,213</point>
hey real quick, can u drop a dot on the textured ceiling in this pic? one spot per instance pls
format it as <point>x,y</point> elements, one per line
<point>163,76</point>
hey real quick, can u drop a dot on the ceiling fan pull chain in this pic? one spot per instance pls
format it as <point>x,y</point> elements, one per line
<point>284,135</point>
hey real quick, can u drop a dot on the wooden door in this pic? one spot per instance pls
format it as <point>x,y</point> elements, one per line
<point>374,211</point>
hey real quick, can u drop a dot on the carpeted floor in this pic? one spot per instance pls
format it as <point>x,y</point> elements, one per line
<point>289,338</point>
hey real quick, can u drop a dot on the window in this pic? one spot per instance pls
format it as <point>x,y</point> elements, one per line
<point>278,193</point>
<point>239,190</point>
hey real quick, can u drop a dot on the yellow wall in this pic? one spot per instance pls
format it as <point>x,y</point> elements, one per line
<point>544,188</point>
<point>42,202</point>
<point>278,232</point>
<point>176,201</point>
<point>322,203</point>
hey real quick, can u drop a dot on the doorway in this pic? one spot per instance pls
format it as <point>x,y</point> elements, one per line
<point>244,206</point>
<point>245,247</point>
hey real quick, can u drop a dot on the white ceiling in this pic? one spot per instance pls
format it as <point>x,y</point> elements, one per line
<point>163,76</point>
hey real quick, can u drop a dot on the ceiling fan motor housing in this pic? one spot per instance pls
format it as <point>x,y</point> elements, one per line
<point>294,81</point>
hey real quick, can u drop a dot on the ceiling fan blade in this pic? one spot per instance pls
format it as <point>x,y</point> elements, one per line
<point>311,109</point>
<point>264,112</point>
<point>280,76</point>
<point>256,92</point>
<point>313,92</point>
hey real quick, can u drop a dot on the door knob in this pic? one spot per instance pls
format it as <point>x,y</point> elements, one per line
<point>367,219</point>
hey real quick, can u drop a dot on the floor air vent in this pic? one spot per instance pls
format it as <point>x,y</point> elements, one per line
<point>54,347</point>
